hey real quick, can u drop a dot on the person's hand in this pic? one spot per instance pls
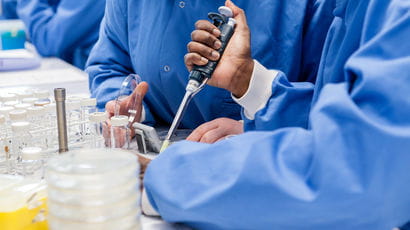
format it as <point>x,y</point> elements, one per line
<point>126,103</point>
<point>236,66</point>
<point>125,106</point>
<point>144,162</point>
<point>216,130</point>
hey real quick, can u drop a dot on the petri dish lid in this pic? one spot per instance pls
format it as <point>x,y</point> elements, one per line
<point>89,102</point>
<point>93,162</point>
<point>19,114</point>
<point>31,153</point>
<point>127,88</point>
<point>92,169</point>
<point>98,117</point>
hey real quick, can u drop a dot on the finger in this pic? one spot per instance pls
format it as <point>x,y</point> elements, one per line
<point>203,50</point>
<point>208,26</point>
<point>238,15</point>
<point>109,108</point>
<point>206,38</point>
<point>212,136</point>
<point>192,59</point>
<point>197,134</point>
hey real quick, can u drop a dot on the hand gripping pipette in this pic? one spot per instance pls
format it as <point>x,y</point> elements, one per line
<point>200,75</point>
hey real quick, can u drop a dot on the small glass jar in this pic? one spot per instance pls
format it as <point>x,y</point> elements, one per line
<point>32,164</point>
<point>97,123</point>
<point>119,132</point>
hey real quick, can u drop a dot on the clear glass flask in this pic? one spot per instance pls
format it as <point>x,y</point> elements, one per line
<point>119,132</point>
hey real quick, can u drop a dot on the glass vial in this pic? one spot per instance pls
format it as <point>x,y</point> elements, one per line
<point>97,124</point>
<point>120,133</point>
<point>32,164</point>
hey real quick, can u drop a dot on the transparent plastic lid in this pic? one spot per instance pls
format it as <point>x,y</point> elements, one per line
<point>129,109</point>
<point>93,161</point>
<point>92,169</point>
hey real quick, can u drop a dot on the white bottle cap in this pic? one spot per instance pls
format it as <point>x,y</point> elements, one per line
<point>42,102</point>
<point>10,103</point>
<point>18,115</point>
<point>31,153</point>
<point>6,110</point>
<point>22,106</point>
<point>36,111</point>
<point>225,11</point>
<point>2,119</point>
<point>88,102</point>
<point>73,105</point>
<point>30,100</point>
<point>22,126</point>
<point>119,120</point>
<point>8,97</point>
<point>23,95</point>
<point>42,94</point>
<point>98,117</point>
<point>50,108</point>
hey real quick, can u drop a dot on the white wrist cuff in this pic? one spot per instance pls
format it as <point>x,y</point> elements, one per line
<point>146,206</point>
<point>259,90</point>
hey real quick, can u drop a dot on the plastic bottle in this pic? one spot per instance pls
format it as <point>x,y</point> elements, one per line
<point>120,133</point>
<point>32,164</point>
<point>39,128</point>
<point>74,123</point>
<point>21,137</point>
<point>97,124</point>
<point>4,146</point>
<point>88,106</point>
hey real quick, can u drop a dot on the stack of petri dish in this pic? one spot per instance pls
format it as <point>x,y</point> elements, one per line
<point>94,189</point>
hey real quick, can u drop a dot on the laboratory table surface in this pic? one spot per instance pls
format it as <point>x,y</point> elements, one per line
<point>55,73</point>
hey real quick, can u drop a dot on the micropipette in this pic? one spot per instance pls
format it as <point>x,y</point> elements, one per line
<point>200,75</point>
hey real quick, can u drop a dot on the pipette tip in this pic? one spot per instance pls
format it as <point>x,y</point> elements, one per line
<point>165,145</point>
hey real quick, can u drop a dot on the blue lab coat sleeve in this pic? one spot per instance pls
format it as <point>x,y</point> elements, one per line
<point>106,72</point>
<point>289,106</point>
<point>62,28</point>
<point>348,170</point>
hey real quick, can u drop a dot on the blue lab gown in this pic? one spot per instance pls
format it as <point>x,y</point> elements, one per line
<point>344,166</point>
<point>67,29</point>
<point>149,38</point>
<point>8,9</point>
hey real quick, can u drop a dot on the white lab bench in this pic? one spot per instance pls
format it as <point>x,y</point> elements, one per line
<point>55,73</point>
